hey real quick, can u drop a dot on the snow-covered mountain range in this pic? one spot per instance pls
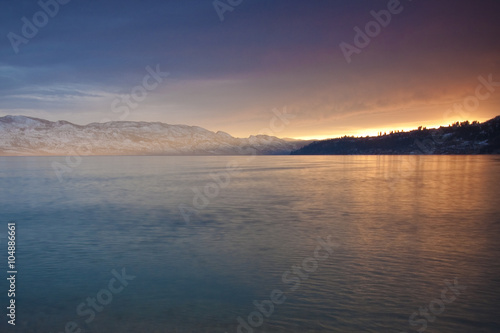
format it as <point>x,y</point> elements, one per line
<point>21,135</point>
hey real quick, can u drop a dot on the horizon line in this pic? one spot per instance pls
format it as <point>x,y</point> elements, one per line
<point>356,134</point>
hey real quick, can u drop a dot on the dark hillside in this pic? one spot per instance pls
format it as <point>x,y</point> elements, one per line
<point>459,138</point>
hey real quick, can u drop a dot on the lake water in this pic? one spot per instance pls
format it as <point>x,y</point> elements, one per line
<point>414,243</point>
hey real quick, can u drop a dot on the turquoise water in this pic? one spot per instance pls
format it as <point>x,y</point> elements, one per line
<point>206,237</point>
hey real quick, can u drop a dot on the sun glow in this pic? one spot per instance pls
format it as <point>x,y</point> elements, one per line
<point>375,131</point>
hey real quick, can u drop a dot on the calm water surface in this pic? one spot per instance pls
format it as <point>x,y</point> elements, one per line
<point>405,229</point>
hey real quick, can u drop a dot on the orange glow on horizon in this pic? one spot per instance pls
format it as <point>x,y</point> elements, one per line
<point>375,131</point>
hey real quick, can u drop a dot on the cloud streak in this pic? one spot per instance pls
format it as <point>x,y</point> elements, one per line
<point>228,75</point>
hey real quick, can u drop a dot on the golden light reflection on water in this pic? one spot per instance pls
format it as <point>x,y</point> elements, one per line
<point>405,224</point>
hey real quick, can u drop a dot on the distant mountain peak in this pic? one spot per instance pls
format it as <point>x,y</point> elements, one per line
<point>22,135</point>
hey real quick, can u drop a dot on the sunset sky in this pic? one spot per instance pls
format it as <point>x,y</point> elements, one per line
<point>229,75</point>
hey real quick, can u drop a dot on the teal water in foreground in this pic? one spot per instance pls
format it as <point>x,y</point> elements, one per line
<point>191,244</point>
